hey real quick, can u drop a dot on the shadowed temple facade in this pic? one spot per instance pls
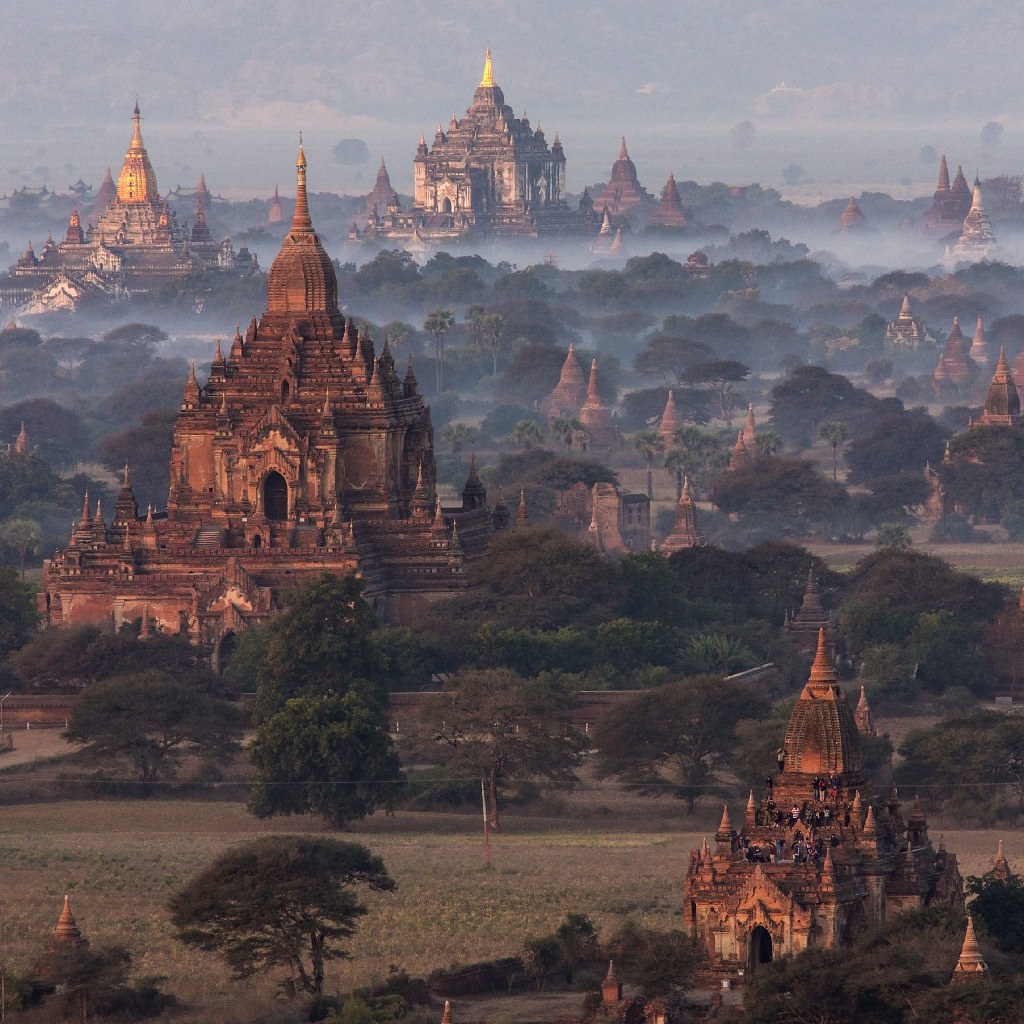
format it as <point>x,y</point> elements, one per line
<point>815,863</point>
<point>305,451</point>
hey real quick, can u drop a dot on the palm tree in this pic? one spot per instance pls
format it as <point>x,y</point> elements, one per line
<point>648,443</point>
<point>458,436</point>
<point>527,433</point>
<point>834,433</point>
<point>438,324</point>
<point>493,329</point>
<point>474,319</point>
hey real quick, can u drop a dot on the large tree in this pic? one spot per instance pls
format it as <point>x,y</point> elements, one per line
<point>281,901</point>
<point>328,755</point>
<point>503,728</point>
<point>676,739</point>
<point>152,720</point>
<point>325,640</point>
<point>18,617</point>
<point>438,324</point>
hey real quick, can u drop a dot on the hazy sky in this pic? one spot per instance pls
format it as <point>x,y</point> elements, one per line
<point>225,86</point>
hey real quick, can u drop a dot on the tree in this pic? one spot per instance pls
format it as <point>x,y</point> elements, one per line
<point>325,640</point>
<point>834,434</point>
<point>18,618</point>
<point>328,755</point>
<point>568,428</point>
<point>22,537</point>
<point>494,326</point>
<point>998,905</point>
<point>458,437</point>
<point>697,455</point>
<point>971,763</point>
<point>676,739</point>
<point>438,324</point>
<point>661,964</point>
<point>893,535</point>
<point>397,333</point>
<point>474,318</point>
<point>670,357</point>
<point>85,978</point>
<point>896,443</point>
<point>809,394</point>
<point>281,901</point>
<point>153,720</point>
<point>503,728</point>
<point>719,376</point>
<point>526,434</point>
<point>648,443</point>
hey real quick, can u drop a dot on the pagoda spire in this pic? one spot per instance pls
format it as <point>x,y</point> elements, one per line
<point>67,931</point>
<point>522,513</point>
<point>943,175</point>
<point>623,155</point>
<point>593,392</point>
<point>823,675</point>
<point>301,221</point>
<point>21,442</point>
<point>750,816</point>
<point>970,965</point>
<point>487,81</point>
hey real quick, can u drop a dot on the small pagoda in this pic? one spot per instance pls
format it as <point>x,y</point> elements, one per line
<point>624,194</point>
<point>685,533</point>
<point>954,367</point>
<point>803,626</point>
<point>596,416</point>
<point>906,331</point>
<point>670,212</point>
<point>570,392</point>
<point>1002,403</point>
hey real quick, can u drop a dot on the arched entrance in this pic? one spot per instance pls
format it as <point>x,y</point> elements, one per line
<point>275,497</point>
<point>760,950</point>
<point>223,651</point>
<point>446,206</point>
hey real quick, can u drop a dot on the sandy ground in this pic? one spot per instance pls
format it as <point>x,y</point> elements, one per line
<point>35,744</point>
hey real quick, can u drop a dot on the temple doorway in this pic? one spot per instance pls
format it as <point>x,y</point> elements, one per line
<point>275,497</point>
<point>760,949</point>
<point>223,651</point>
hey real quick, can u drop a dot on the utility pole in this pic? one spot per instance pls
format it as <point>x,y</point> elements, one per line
<point>487,835</point>
<point>2,699</point>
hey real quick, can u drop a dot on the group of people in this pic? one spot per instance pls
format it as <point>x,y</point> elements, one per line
<point>801,850</point>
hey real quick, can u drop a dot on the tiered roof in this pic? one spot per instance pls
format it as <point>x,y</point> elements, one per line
<point>685,533</point>
<point>1002,403</point>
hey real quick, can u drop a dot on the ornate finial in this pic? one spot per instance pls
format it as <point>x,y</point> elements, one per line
<point>822,672</point>
<point>725,826</point>
<point>623,155</point>
<point>487,82</point>
<point>970,964</point>
<point>127,479</point>
<point>446,1017</point>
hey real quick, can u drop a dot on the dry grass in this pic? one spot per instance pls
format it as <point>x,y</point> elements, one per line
<point>606,855</point>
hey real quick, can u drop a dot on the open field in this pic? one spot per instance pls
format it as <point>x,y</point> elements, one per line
<point>604,854</point>
<point>996,562</point>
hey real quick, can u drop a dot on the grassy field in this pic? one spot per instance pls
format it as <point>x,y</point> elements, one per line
<point>601,853</point>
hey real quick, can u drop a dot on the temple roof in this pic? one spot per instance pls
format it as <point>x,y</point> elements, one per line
<point>137,181</point>
<point>302,277</point>
<point>822,734</point>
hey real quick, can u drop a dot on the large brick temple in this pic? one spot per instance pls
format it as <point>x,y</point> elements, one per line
<point>490,173</point>
<point>814,863</point>
<point>304,451</point>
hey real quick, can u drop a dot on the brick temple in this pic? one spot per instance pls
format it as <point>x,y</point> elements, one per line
<point>814,863</point>
<point>305,451</point>
<point>490,173</point>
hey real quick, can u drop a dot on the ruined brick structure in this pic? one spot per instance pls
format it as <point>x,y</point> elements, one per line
<point>811,865</point>
<point>305,451</point>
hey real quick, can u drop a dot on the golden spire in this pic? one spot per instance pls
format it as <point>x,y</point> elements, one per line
<point>136,144</point>
<point>487,82</point>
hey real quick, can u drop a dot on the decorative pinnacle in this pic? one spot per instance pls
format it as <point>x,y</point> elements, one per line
<point>487,82</point>
<point>302,220</point>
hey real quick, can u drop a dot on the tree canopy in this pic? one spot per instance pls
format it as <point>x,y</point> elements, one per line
<point>327,754</point>
<point>281,901</point>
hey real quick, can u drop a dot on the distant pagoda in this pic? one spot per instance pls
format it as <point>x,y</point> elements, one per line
<point>624,194</point>
<point>670,212</point>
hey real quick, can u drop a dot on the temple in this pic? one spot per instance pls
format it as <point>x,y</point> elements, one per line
<point>852,218</point>
<point>979,347</point>
<point>570,393</point>
<point>977,241</point>
<point>685,533</point>
<point>954,366</point>
<point>950,203</point>
<point>814,863</point>
<point>1002,403</point>
<point>303,452</point>
<point>811,619</point>
<point>906,331</point>
<point>135,244</point>
<point>670,212</point>
<point>670,421</point>
<point>491,173</point>
<point>624,196</point>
